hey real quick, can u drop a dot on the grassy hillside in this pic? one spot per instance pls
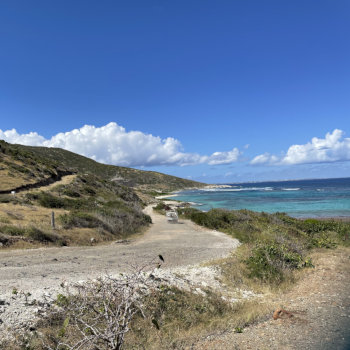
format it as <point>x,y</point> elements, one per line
<point>90,200</point>
<point>20,167</point>
<point>57,157</point>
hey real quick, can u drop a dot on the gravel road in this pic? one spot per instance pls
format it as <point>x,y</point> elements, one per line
<point>180,244</point>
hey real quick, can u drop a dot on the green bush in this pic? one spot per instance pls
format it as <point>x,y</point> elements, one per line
<point>12,230</point>
<point>6,198</point>
<point>44,237</point>
<point>47,200</point>
<point>270,262</point>
<point>78,219</point>
<point>161,206</point>
<point>71,193</point>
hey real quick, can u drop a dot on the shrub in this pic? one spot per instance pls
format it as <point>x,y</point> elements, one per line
<point>161,206</point>
<point>6,198</point>
<point>71,193</point>
<point>44,237</point>
<point>47,200</point>
<point>4,239</point>
<point>12,230</point>
<point>79,219</point>
<point>270,261</point>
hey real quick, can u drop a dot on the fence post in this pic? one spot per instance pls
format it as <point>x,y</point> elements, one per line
<point>53,219</point>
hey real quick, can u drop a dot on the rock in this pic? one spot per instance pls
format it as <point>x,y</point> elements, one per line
<point>281,313</point>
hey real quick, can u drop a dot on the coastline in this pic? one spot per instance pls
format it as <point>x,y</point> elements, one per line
<point>311,200</point>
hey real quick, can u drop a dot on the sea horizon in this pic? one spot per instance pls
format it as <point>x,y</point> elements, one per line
<point>284,180</point>
<point>308,198</point>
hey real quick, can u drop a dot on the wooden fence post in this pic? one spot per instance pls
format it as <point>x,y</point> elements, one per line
<point>53,219</point>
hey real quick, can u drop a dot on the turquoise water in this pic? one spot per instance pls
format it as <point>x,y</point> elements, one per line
<point>302,198</point>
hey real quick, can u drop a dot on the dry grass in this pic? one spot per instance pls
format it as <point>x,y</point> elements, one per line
<point>9,181</point>
<point>27,215</point>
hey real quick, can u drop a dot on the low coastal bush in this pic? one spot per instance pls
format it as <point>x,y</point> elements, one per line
<point>116,222</point>
<point>276,243</point>
<point>44,237</point>
<point>6,198</point>
<point>161,208</point>
<point>32,233</point>
<point>273,262</point>
<point>78,219</point>
<point>12,230</point>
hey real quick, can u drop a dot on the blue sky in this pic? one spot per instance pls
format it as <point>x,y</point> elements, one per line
<point>192,88</point>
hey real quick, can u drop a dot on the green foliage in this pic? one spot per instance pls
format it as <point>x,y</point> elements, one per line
<point>12,230</point>
<point>6,198</point>
<point>44,237</point>
<point>61,300</point>
<point>270,261</point>
<point>49,201</point>
<point>278,243</point>
<point>62,331</point>
<point>71,193</point>
<point>78,219</point>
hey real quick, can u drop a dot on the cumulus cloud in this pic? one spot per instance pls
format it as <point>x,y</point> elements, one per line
<point>31,139</point>
<point>333,148</point>
<point>112,144</point>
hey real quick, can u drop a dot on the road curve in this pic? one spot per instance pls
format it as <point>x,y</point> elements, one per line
<point>180,244</point>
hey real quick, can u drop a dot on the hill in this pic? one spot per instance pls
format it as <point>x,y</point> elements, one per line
<point>22,165</point>
<point>91,201</point>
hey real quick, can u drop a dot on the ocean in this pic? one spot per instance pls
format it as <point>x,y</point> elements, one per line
<point>319,198</point>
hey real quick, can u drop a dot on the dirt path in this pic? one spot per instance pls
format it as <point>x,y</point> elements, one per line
<point>320,302</point>
<point>180,244</point>
<point>65,180</point>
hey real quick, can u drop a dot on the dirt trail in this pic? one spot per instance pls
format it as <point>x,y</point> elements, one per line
<point>65,180</point>
<point>43,269</point>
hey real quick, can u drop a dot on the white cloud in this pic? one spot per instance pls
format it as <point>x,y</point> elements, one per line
<point>32,139</point>
<point>333,148</point>
<point>112,144</point>
<point>223,157</point>
<point>264,158</point>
